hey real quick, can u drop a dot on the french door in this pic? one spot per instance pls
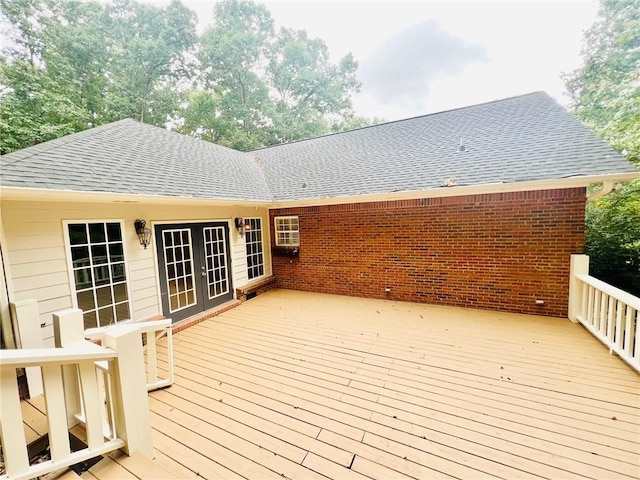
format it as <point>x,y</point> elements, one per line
<point>194,267</point>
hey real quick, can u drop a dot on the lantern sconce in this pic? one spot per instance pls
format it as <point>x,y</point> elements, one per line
<point>144,234</point>
<point>242,225</point>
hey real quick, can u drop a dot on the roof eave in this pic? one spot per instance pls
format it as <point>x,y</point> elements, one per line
<point>42,194</point>
<point>52,195</point>
<point>552,184</point>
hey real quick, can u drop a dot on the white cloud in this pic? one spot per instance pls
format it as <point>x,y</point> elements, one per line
<point>402,69</point>
<point>525,44</point>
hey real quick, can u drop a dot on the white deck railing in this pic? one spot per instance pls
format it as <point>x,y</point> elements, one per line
<point>152,331</point>
<point>74,384</point>
<point>611,314</point>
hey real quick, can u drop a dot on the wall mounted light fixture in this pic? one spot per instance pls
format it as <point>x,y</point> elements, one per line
<point>242,225</point>
<point>144,234</point>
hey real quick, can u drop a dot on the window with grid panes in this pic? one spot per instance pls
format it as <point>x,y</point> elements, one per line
<point>255,256</point>
<point>287,231</point>
<point>98,270</point>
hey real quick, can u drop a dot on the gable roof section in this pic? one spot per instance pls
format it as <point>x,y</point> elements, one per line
<point>526,138</point>
<point>514,141</point>
<point>130,157</point>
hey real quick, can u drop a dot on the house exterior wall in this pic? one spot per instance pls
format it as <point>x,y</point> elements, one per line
<point>36,253</point>
<point>498,251</point>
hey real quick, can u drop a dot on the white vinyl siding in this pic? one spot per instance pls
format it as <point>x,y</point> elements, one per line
<point>287,231</point>
<point>36,254</point>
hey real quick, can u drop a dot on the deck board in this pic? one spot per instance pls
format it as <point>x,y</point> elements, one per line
<point>380,389</point>
<point>300,385</point>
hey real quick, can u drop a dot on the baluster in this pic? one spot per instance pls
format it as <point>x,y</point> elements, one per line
<point>92,401</point>
<point>619,326</point>
<point>636,344</point>
<point>610,320</point>
<point>152,359</point>
<point>597,297</point>
<point>604,301</point>
<point>591,305</point>
<point>629,332</point>
<point>14,444</point>
<point>54,399</point>
<point>584,302</point>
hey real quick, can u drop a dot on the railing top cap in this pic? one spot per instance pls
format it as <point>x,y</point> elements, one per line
<point>76,353</point>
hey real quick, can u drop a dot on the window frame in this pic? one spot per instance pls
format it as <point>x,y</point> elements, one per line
<point>294,233</point>
<point>71,271</point>
<point>260,253</point>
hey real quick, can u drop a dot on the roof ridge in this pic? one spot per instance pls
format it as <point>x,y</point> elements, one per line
<point>466,107</point>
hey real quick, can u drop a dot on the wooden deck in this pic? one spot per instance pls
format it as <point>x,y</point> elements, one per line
<point>299,385</point>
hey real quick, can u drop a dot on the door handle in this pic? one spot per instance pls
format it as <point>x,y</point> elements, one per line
<point>203,271</point>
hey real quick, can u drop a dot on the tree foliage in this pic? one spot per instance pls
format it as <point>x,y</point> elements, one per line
<point>605,93</point>
<point>258,86</point>
<point>613,237</point>
<point>74,64</point>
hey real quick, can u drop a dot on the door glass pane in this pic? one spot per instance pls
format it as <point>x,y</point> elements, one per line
<point>178,269</point>
<point>216,261</point>
<point>173,303</point>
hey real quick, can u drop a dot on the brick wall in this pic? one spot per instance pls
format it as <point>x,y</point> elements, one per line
<point>497,251</point>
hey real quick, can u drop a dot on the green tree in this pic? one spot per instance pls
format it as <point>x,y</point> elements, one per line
<point>605,94</point>
<point>260,87</point>
<point>308,88</point>
<point>37,103</point>
<point>74,64</point>
<point>148,49</point>
<point>613,237</point>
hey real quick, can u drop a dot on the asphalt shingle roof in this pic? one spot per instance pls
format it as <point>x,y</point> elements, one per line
<point>519,139</point>
<point>523,138</point>
<point>134,158</point>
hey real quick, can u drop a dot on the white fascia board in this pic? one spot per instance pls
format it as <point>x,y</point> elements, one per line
<point>456,191</point>
<point>43,194</point>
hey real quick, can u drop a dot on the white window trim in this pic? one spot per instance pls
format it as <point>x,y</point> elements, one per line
<point>275,226</point>
<point>72,278</point>
<point>264,266</point>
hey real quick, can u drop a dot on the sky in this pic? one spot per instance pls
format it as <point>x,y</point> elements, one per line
<point>420,57</point>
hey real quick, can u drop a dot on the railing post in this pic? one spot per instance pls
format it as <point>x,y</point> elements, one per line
<point>29,335</point>
<point>131,403</point>
<point>579,266</point>
<point>68,328</point>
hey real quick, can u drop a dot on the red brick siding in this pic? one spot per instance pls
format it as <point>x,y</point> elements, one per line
<point>497,251</point>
